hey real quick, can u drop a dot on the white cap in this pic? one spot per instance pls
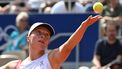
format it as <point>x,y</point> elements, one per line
<point>46,25</point>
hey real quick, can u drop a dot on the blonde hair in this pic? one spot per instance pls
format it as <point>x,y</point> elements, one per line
<point>20,16</point>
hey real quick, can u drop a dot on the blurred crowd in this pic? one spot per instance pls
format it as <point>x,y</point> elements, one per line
<point>112,15</point>
<point>52,6</point>
<point>46,6</point>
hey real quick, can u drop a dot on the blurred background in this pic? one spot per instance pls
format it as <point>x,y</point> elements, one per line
<point>16,16</point>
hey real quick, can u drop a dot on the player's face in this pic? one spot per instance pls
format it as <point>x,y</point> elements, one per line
<point>39,38</point>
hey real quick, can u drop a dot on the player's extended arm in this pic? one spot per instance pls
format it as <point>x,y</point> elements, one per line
<point>61,54</point>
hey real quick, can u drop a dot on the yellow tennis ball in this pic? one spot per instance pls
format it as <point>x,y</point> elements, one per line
<point>98,7</point>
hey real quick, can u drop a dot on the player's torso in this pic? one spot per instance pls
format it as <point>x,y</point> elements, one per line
<point>40,63</point>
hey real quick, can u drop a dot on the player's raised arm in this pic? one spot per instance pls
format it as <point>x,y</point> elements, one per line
<point>61,54</point>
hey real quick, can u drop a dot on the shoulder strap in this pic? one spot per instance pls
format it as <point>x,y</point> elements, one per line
<point>17,65</point>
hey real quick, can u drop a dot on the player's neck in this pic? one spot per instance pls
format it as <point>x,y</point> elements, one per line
<point>35,55</point>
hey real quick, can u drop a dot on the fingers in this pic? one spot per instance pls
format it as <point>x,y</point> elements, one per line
<point>98,17</point>
<point>95,18</point>
<point>92,19</point>
<point>88,19</point>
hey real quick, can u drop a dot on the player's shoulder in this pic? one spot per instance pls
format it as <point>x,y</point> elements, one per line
<point>53,54</point>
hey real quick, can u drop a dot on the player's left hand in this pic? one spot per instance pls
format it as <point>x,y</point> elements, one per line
<point>91,20</point>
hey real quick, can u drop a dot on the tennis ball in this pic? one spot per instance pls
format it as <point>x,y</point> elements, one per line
<point>98,7</point>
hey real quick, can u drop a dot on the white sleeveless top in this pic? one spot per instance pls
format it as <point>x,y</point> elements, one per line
<point>40,63</point>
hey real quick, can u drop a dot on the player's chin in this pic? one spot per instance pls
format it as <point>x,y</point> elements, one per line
<point>42,47</point>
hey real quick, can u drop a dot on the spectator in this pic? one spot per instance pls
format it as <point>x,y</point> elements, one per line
<point>15,6</point>
<point>19,37</point>
<point>113,10</point>
<point>108,50</point>
<point>67,7</point>
<point>46,7</point>
<point>87,5</point>
<point>1,9</point>
<point>34,5</point>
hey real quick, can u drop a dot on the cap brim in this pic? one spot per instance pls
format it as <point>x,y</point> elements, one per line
<point>46,25</point>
